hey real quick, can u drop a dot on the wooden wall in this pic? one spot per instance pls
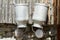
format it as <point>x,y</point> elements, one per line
<point>55,11</point>
<point>58,11</point>
<point>7,11</point>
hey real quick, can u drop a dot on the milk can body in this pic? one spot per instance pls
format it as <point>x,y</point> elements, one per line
<point>21,14</point>
<point>40,14</point>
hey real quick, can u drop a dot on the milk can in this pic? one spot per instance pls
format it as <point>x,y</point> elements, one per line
<point>21,14</point>
<point>39,14</point>
<point>39,18</point>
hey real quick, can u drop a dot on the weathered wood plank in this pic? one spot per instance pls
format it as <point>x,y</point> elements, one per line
<point>7,11</point>
<point>0,11</point>
<point>55,11</point>
<point>58,11</point>
<point>50,12</point>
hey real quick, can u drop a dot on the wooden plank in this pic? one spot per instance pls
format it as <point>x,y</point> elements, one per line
<point>13,14</point>
<point>55,11</point>
<point>50,12</point>
<point>49,22</point>
<point>58,11</point>
<point>3,6</point>
<point>10,14</point>
<point>7,11</point>
<point>0,11</point>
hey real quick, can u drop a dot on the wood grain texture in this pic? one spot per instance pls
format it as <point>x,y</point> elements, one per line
<point>55,11</point>
<point>7,11</point>
<point>58,11</point>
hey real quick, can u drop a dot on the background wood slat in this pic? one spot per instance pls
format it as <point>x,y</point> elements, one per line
<point>7,11</point>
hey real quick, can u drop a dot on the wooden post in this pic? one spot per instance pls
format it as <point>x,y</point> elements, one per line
<point>7,11</point>
<point>58,19</point>
<point>55,11</point>
<point>58,11</point>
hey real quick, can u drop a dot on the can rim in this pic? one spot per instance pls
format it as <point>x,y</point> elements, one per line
<point>22,4</point>
<point>41,4</point>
